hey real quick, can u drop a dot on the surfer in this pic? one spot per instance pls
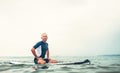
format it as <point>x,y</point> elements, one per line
<point>40,50</point>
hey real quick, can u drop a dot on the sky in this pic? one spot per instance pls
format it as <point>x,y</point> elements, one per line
<point>74,27</point>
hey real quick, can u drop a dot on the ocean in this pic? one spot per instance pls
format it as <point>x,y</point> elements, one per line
<point>99,64</point>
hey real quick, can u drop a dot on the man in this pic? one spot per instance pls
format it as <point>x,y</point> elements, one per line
<point>42,46</point>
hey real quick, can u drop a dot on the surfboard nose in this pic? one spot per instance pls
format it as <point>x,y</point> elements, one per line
<point>87,61</point>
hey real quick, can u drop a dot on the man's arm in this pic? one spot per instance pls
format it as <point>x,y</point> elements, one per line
<point>34,53</point>
<point>48,54</point>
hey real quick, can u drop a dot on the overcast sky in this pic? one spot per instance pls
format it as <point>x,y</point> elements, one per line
<point>74,27</point>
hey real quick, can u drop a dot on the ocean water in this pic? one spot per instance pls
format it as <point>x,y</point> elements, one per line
<point>99,64</point>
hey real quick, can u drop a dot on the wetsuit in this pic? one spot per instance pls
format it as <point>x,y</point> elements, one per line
<point>41,47</point>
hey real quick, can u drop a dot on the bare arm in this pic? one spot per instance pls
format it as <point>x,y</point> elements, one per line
<point>48,54</point>
<point>34,53</point>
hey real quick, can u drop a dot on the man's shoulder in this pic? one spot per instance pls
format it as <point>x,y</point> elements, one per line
<point>46,43</point>
<point>39,42</point>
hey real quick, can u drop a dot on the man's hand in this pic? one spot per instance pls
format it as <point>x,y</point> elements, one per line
<point>39,58</point>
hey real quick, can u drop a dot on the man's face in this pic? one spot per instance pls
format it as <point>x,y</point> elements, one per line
<point>44,37</point>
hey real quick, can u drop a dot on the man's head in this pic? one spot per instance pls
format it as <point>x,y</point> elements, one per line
<point>44,37</point>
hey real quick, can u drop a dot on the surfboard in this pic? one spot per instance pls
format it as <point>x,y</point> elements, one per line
<point>46,66</point>
<point>71,63</point>
<point>76,63</point>
<point>20,63</point>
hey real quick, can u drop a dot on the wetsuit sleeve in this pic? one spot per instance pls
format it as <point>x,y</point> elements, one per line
<point>37,45</point>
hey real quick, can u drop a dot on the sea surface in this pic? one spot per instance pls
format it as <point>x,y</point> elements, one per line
<point>99,64</point>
